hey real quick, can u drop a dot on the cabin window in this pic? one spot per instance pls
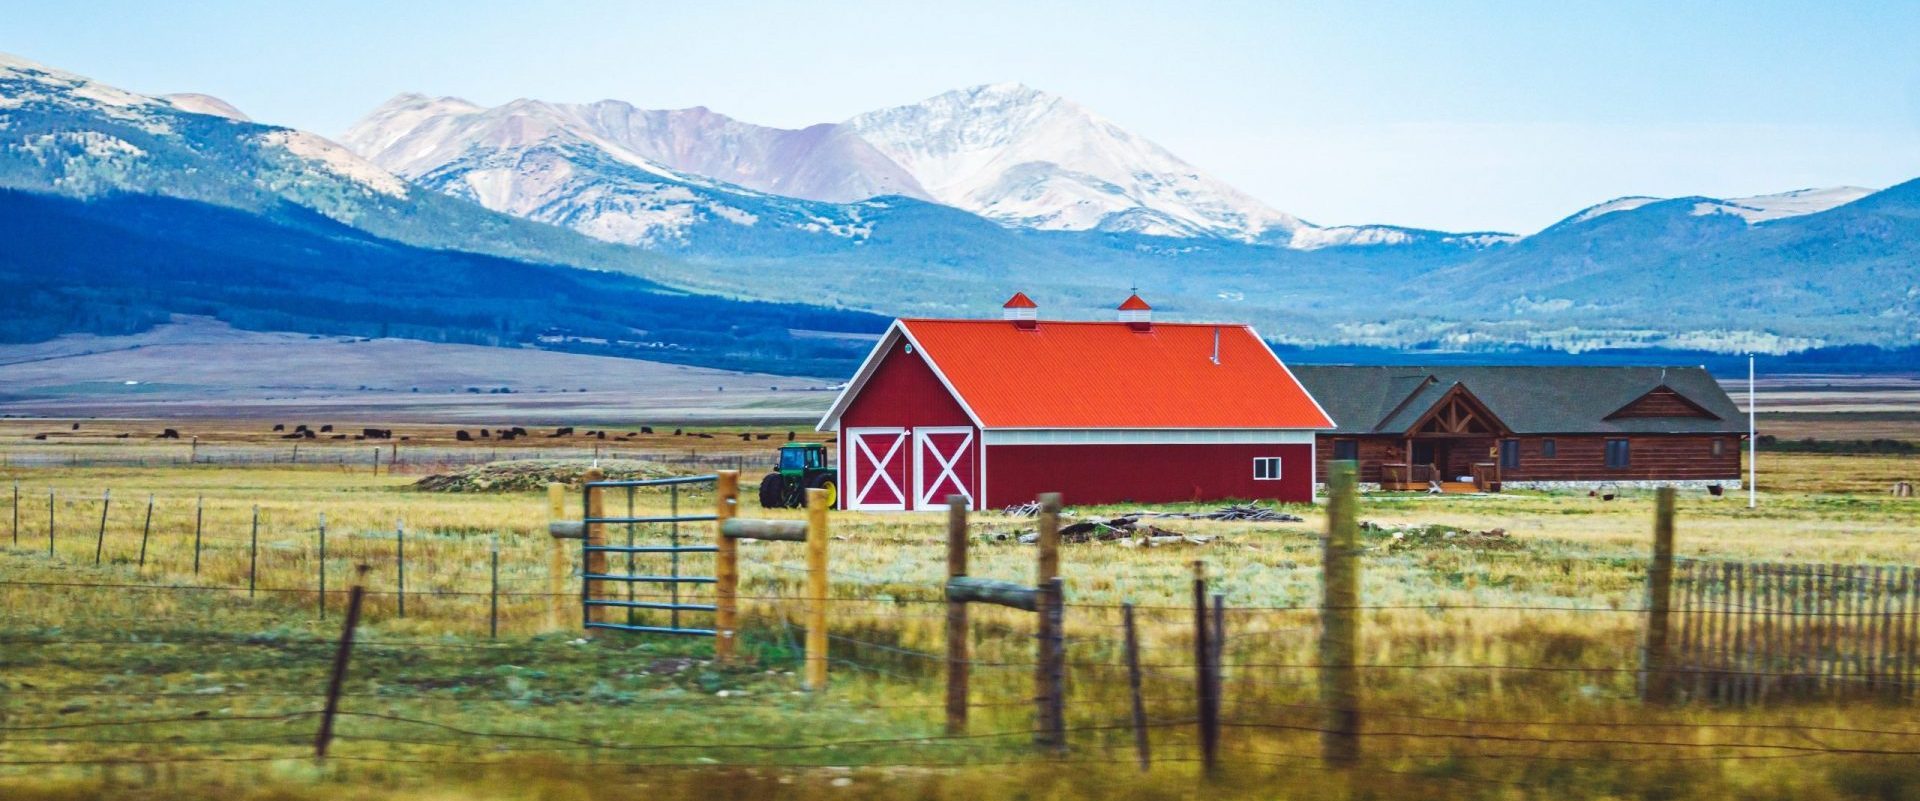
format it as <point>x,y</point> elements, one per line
<point>1509,453</point>
<point>1549,449</point>
<point>1346,450</point>
<point>1618,457</point>
<point>1266,468</point>
<point>1719,447</point>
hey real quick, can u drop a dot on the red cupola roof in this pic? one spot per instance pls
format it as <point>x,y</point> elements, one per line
<point>1020,301</point>
<point>1134,303</point>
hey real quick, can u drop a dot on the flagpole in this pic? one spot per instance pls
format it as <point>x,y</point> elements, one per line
<point>1753,443</point>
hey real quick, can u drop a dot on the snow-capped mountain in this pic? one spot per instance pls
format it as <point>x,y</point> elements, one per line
<point>84,137</point>
<point>1755,209</point>
<point>1012,154</point>
<point>1028,158</point>
<point>66,134</point>
<point>626,175</point>
<point>414,134</point>
<point>205,104</point>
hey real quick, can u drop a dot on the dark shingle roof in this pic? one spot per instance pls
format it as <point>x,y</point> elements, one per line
<point>1529,400</point>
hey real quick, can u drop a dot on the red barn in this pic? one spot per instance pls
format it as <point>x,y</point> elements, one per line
<point>1102,412</point>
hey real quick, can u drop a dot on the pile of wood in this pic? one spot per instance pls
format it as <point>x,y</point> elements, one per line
<point>1028,509</point>
<point>1126,530</point>
<point>1240,512</point>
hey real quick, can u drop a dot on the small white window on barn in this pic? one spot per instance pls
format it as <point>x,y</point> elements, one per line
<point>1266,468</point>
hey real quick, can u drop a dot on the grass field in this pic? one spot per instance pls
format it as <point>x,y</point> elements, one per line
<point>1494,672</point>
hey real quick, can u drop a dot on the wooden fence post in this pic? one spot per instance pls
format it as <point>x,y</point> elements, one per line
<point>1656,659</point>
<point>1047,670</point>
<point>816,678</point>
<point>199,516</point>
<point>322,602</point>
<point>493,591</point>
<point>16,514</point>
<point>50,505</point>
<point>959,641</point>
<point>253,554</point>
<point>400,561</point>
<point>593,563</point>
<point>1339,619</point>
<point>146,529</point>
<point>100,542</point>
<point>341,655</point>
<point>1133,688</point>
<point>726,573</point>
<point>1208,717</point>
<point>558,560</point>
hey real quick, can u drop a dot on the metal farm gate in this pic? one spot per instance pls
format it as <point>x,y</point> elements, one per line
<point>601,560</point>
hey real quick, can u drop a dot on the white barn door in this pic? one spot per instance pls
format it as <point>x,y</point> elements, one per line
<point>876,469</point>
<point>942,465</point>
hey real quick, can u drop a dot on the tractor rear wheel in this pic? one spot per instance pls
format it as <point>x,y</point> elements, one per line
<point>826,481</point>
<point>773,491</point>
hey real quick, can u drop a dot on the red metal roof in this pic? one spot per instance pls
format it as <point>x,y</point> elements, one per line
<point>1109,375</point>
<point>1134,303</point>
<point>1020,301</point>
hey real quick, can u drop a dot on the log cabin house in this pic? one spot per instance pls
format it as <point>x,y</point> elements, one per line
<point>1465,429</point>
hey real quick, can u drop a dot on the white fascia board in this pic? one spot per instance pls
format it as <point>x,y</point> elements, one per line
<point>927,357</point>
<point>831,421</point>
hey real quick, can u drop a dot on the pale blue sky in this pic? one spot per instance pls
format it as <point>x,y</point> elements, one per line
<point>1452,115</point>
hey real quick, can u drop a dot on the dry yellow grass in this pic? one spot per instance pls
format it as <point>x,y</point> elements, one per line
<point>1548,603</point>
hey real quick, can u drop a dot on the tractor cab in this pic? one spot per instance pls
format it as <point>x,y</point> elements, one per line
<point>802,457</point>
<point>799,467</point>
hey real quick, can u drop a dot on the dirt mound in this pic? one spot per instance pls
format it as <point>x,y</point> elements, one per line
<point>535,474</point>
<point>1416,537</point>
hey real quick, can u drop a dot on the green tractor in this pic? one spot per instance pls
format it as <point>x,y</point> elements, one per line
<point>802,466</point>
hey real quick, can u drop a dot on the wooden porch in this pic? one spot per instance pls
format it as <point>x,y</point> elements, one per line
<point>1429,478</point>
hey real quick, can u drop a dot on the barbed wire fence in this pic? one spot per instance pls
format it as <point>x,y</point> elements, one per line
<point>1268,668</point>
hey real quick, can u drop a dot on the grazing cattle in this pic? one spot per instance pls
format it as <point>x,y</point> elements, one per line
<point>746,436</point>
<point>40,436</point>
<point>678,432</point>
<point>326,429</point>
<point>406,439</point>
<point>484,434</point>
<point>462,436</point>
<point>121,436</point>
<point>308,434</point>
<point>519,432</point>
<point>301,428</point>
<point>763,436</point>
<point>377,433</point>
<point>279,426</point>
<point>704,436</point>
<point>294,435</point>
<point>600,434</point>
<point>76,426</point>
<point>170,434</point>
<point>789,436</point>
<point>507,436</point>
<point>343,436</point>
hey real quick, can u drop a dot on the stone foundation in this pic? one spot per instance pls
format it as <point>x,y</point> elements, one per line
<point>1690,485</point>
